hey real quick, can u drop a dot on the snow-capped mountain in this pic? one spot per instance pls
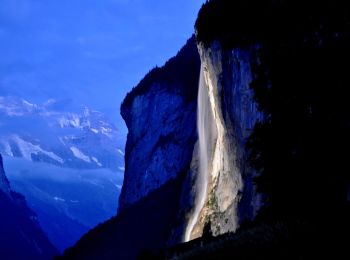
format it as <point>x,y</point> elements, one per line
<point>68,162</point>
<point>48,133</point>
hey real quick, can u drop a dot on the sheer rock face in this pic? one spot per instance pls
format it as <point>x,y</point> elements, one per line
<point>162,151</point>
<point>20,234</point>
<point>161,117</point>
<point>231,197</point>
<point>161,131</point>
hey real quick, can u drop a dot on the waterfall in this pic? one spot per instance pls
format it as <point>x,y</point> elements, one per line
<point>203,127</point>
<point>218,185</point>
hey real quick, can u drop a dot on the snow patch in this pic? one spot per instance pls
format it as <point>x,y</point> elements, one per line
<point>96,161</point>
<point>94,130</point>
<point>72,121</point>
<point>27,149</point>
<point>80,155</point>
<point>7,148</point>
<point>59,199</point>
<point>29,105</point>
<point>106,131</point>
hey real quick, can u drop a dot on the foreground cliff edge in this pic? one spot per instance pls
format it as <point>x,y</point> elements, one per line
<point>273,95</point>
<point>21,237</point>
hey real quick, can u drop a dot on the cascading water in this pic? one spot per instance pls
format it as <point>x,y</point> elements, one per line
<point>218,171</point>
<point>203,126</point>
<point>225,114</point>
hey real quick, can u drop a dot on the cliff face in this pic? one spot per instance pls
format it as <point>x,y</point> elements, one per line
<point>160,114</point>
<point>231,197</point>
<point>161,118</point>
<point>20,234</point>
<point>162,181</point>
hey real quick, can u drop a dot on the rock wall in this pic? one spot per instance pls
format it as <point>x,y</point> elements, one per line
<point>162,151</point>
<point>231,197</point>
<point>162,124</point>
<point>162,155</point>
<point>160,114</point>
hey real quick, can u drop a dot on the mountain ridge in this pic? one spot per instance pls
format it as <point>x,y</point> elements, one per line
<point>59,137</point>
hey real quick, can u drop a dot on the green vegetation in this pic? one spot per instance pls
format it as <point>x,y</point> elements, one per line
<point>212,201</point>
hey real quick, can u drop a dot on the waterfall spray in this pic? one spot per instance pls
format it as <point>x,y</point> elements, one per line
<point>203,126</point>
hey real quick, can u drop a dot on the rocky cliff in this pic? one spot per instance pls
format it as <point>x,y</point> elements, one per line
<point>161,119</point>
<point>231,197</point>
<point>20,234</point>
<point>162,153</point>
<point>160,114</point>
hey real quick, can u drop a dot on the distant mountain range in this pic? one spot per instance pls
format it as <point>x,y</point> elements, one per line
<point>68,162</point>
<point>47,133</point>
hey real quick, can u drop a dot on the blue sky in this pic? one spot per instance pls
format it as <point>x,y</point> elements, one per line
<point>91,51</point>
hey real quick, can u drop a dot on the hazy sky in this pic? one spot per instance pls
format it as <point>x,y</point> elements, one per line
<point>93,51</point>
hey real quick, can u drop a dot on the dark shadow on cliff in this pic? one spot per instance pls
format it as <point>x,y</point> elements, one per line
<point>285,239</point>
<point>301,85</point>
<point>300,150</point>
